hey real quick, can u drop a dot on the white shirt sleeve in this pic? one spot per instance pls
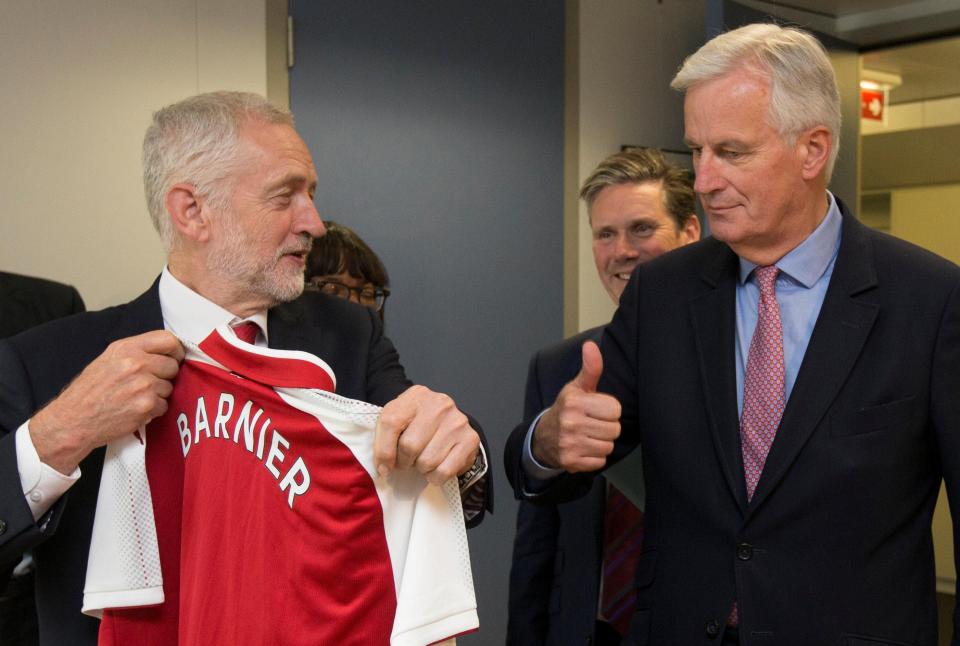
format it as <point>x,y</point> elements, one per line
<point>42,485</point>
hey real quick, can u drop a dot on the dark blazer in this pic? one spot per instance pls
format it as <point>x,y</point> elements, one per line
<point>26,301</point>
<point>835,547</point>
<point>557,549</point>
<point>37,364</point>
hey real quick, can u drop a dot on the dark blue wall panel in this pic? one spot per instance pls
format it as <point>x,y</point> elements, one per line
<point>437,130</point>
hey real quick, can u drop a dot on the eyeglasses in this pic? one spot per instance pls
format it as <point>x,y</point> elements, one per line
<point>372,297</point>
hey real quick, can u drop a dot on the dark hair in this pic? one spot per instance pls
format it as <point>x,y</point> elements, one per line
<point>636,165</point>
<point>341,250</point>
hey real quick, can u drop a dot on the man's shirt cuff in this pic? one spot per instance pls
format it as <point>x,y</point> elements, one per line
<point>537,476</point>
<point>42,485</point>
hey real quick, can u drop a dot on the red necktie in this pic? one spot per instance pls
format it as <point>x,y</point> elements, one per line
<point>247,331</point>
<point>622,542</point>
<point>763,389</point>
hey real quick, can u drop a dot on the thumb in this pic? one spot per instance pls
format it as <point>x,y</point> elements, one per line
<point>590,369</point>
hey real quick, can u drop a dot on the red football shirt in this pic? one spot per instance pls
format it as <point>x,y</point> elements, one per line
<point>273,526</point>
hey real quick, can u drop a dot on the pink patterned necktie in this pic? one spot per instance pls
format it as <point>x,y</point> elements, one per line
<point>247,331</point>
<point>763,389</point>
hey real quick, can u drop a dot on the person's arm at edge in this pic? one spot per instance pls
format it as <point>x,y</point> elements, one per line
<point>21,532</point>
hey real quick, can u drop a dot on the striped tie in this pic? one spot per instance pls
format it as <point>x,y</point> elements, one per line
<point>623,540</point>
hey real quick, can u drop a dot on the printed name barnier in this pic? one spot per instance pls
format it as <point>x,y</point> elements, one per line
<point>296,481</point>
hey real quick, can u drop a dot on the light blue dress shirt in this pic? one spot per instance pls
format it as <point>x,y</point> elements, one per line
<point>800,287</point>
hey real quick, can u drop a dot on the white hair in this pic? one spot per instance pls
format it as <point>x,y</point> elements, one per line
<point>803,86</point>
<point>196,141</point>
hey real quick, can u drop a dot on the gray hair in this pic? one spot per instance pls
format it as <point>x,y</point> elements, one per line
<point>196,141</point>
<point>803,86</point>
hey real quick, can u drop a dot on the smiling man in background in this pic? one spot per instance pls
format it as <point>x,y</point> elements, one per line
<point>639,207</point>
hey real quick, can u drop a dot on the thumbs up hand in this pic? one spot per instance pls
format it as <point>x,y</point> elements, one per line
<point>591,367</point>
<point>578,431</point>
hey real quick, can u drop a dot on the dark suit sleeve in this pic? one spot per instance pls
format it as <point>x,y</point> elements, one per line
<point>19,530</point>
<point>534,549</point>
<point>945,413</point>
<point>386,379</point>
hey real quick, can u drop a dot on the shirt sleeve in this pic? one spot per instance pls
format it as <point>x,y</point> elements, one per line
<point>42,485</point>
<point>533,469</point>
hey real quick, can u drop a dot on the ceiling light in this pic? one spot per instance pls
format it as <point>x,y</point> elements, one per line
<point>877,80</point>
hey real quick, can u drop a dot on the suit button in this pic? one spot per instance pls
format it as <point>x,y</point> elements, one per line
<point>744,551</point>
<point>713,628</point>
<point>3,527</point>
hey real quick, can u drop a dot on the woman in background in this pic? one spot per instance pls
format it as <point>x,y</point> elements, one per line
<point>342,265</point>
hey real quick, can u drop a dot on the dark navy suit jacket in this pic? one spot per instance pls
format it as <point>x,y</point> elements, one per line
<point>25,302</point>
<point>835,547</point>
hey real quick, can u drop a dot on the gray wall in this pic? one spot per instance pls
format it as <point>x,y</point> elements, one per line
<point>437,130</point>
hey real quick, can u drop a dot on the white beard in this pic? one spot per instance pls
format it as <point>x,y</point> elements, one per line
<point>271,279</point>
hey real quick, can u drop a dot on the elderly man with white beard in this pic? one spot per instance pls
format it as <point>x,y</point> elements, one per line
<point>230,189</point>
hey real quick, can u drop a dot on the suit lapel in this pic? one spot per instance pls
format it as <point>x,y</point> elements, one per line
<point>713,317</point>
<point>842,328</point>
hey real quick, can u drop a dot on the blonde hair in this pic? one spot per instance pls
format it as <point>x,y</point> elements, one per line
<point>638,165</point>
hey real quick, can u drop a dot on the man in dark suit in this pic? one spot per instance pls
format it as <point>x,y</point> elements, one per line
<point>793,382</point>
<point>25,302</point>
<point>639,207</point>
<point>229,187</point>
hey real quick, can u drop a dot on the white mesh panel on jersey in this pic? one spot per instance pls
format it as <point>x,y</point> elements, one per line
<point>423,524</point>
